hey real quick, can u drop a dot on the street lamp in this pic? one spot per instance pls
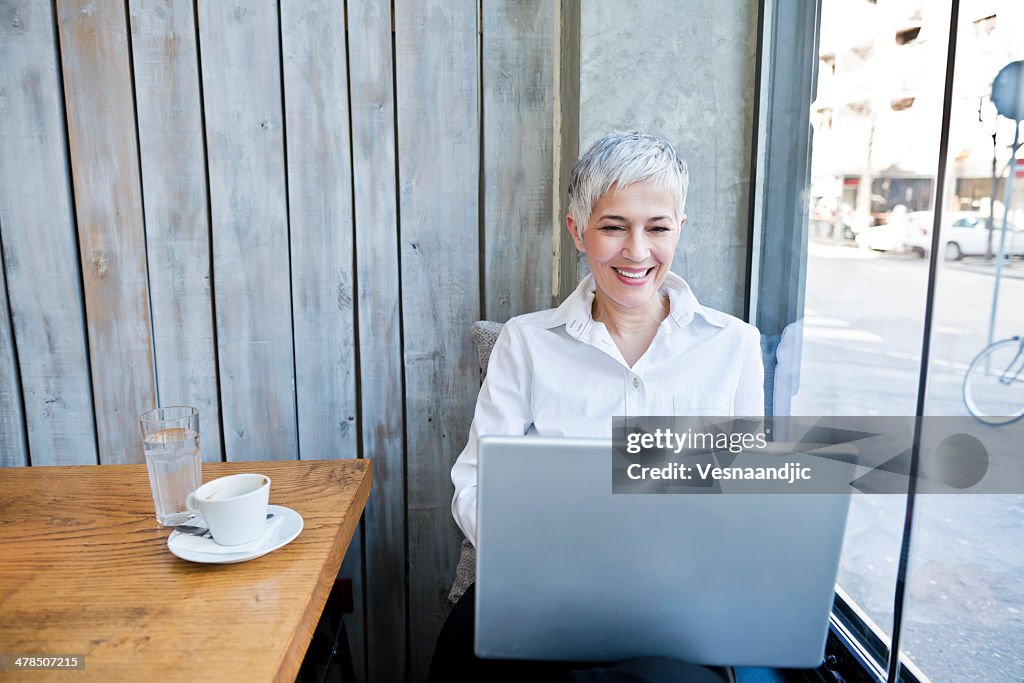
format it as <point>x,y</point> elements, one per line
<point>1008,96</point>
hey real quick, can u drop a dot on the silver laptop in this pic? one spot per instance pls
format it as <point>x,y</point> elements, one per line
<point>568,571</point>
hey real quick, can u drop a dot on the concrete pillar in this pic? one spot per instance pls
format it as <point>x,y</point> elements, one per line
<point>683,69</point>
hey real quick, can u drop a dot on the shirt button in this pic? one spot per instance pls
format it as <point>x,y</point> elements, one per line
<point>636,382</point>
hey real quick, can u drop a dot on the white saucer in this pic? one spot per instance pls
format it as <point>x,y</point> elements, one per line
<point>280,535</point>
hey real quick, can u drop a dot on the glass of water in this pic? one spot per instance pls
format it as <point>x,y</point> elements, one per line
<point>170,441</point>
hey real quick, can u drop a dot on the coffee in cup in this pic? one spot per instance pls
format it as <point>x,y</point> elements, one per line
<point>234,507</point>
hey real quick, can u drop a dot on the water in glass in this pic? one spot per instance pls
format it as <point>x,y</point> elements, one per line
<point>175,470</point>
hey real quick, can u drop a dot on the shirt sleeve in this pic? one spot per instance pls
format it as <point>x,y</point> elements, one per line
<point>502,408</point>
<point>749,399</point>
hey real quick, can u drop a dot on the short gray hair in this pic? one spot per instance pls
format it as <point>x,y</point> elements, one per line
<point>620,159</point>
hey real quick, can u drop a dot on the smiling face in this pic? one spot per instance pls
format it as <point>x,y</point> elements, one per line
<point>630,241</point>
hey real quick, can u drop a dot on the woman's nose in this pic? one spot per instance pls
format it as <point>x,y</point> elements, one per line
<point>636,247</point>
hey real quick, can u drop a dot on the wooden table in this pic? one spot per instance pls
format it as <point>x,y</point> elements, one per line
<point>85,569</point>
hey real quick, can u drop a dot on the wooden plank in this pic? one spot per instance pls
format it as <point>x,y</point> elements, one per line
<point>177,225</point>
<point>437,90</point>
<point>13,443</point>
<point>241,75</point>
<point>108,201</point>
<point>571,264</point>
<point>320,218</point>
<point>39,246</point>
<point>518,71</point>
<point>380,357</point>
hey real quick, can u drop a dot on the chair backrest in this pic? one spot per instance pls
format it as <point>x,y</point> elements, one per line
<point>485,334</point>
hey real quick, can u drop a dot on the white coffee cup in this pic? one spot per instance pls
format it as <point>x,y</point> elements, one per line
<point>234,507</point>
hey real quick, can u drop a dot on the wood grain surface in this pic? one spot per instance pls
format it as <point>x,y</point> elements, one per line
<point>518,76</point>
<point>320,231</point>
<point>13,444</point>
<point>37,228</point>
<point>567,131</point>
<point>380,342</point>
<point>170,118</point>
<point>320,224</point>
<point>437,99</point>
<point>177,178</point>
<point>108,203</point>
<point>241,76</point>
<point>84,568</point>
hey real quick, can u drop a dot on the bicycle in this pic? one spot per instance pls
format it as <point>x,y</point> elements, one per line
<point>994,384</point>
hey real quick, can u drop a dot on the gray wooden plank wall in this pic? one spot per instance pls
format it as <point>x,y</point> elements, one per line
<point>108,202</point>
<point>518,110</point>
<point>437,82</point>
<point>321,234</point>
<point>287,213</point>
<point>172,150</point>
<point>374,153</point>
<point>245,142</point>
<point>37,229</point>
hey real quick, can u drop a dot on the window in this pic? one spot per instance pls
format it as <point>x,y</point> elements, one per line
<point>850,291</point>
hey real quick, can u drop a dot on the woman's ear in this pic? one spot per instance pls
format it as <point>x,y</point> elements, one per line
<point>574,232</point>
<point>682,222</point>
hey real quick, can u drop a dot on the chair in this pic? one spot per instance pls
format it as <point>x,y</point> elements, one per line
<point>485,333</point>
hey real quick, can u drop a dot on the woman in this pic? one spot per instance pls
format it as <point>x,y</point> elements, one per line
<point>631,340</point>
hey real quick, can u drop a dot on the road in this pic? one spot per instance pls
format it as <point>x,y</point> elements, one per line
<point>862,342</point>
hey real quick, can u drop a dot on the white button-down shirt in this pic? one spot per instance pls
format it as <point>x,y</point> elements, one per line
<point>559,372</point>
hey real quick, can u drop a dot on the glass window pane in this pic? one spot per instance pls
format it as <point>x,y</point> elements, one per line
<point>876,120</point>
<point>964,609</point>
<point>854,347</point>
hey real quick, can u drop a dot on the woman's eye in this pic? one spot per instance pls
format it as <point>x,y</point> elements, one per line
<point>611,228</point>
<point>659,228</point>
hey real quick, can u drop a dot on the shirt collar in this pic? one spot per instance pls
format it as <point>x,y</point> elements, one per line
<point>575,311</point>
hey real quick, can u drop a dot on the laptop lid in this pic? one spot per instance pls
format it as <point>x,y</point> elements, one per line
<point>568,571</point>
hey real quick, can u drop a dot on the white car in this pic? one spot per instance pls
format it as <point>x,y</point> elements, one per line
<point>885,237</point>
<point>963,234</point>
<point>891,235</point>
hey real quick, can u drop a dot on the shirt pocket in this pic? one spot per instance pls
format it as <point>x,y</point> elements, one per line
<point>702,404</point>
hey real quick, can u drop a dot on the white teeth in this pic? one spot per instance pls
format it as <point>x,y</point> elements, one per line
<point>632,276</point>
